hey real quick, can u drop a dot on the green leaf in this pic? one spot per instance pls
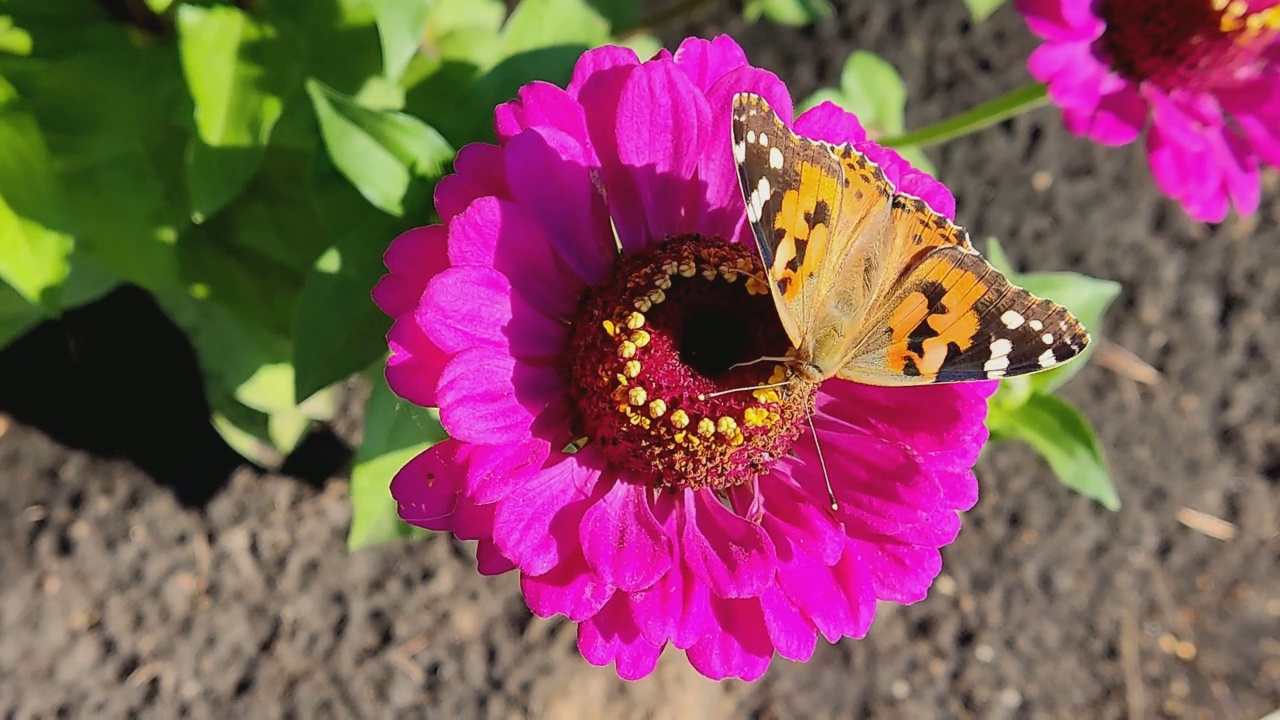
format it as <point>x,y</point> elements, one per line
<point>982,9</point>
<point>239,73</point>
<point>1086,297</point>
<point>401,27</point>
<point>797,13</point>
<point>17,314</point>
<point>394,432</point>
<point>380,152</point>
<point>536,24</point>
<point>34,252</point>
<point>1066,440</point>
<point>338,329</point>
<point>621,14</point>
<point>13,40</point>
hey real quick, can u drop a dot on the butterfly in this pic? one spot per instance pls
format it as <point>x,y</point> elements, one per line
<point>873,285</point>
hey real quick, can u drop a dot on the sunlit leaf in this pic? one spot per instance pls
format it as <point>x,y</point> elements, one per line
<point>787,12</point>
<point>34,254</point>
<point>394,432</point>
<point>982,9</point>
<point>1066,440</point>
<point>401,26</point>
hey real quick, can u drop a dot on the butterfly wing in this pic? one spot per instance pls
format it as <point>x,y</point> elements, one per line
<point>814,209</point>
<point>955,318</point>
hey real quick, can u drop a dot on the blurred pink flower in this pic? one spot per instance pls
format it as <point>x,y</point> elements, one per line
<point>687,520</point>
<point>1205,73</point>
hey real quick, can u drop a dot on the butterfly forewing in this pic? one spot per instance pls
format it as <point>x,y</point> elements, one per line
<point>874,286</point>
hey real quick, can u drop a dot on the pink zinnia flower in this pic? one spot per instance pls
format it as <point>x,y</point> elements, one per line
<point>574,373</point>
<point>1205,72</point>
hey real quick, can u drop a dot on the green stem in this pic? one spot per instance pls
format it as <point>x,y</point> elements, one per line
<point>662,17</point>
<point>985,115</point>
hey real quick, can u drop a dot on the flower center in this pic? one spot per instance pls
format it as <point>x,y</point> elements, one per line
<point>1188,44</point>
<point>654,345</point>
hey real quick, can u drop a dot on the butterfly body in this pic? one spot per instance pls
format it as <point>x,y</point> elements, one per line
<point>872,285</point>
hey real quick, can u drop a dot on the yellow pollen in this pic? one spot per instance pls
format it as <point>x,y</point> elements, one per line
<point>680,419</point>
<point>657,408</point>
<point>755,417</point>
<point>769,395</point>
<point>728,273</point>
<point>688,269</point>
<point>670,267</point>
<point>657,296</point>
<point>727,426</point>
<point>706,428</point>
<point>680,436</point>
<point>626,349</point>
<point>778,375</point>
<point>640,338</point>
<point>737,438</point>
<point>642,304</point>
<point>755,287</point>
<point>637,396</point>
<point>663,281</point>
<point>610,328</point>
<point>631,368</point>
<point>709,273</point>
<point>635,321</point>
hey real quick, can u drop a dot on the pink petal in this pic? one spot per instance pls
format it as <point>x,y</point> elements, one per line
<point>570,589</point>
<point>1120,118</point>
<point>540,104</point>
<point>661,124</point>
<point>494,471</point>
<point>830,123</point>
<point>741,648</point>
<point>500,234</point>
<point>537,524</point>
<point>733,557</point>
<point>791,512</point>
<point>705,61</point>
<point>477,172</point>
<point>789,630</point>
<point>900,573</point>
<point>466,307</point>
<point>623,541</point>
<point>724,215</point>
<point>813,588</point>
<point>491,561</point>
<point>553,178</point>
<point>597,64</point>
<point>415,364</point>
<point>488,397</point>
<point>943,423</point>
<point>413,258</point>
<point>611,636</point>
<point>599,93</point>
<point>428,493</point>
<point>1061,20</point>
<point>855,583</point>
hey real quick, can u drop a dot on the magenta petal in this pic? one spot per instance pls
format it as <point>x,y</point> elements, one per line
<point>553,178</point>
<point>662,123</point>
<point>413,258</point>
<point>813,588</point>
<point>500,234</point>
<point>901,573</point>
<point>540,104</point>
<point>477,173</point>
<point>1061,20</point>
<point>428,493</point>
<point>536,525</point>
<point>734,557</point>
<point>466,307</point>
<point>622,540</point>
<point>717,171</point>
<point>568,589</point>
<point>597,63</point>
<point>789,630</point>
<point>415,364</point>
<point>741,648</point>
<point>855,583</point>
<point>490,560</point>
<point>831,123</point>
<point>488,397</point>
<point>705,61</point>
<point>791,512</point>
<point>611,636</point>
<point>494,471</point>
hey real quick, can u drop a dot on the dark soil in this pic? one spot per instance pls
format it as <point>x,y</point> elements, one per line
<point>149,571</point>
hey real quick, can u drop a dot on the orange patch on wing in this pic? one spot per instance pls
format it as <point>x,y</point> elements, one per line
<point>958,325</point>
<point>798,234</point>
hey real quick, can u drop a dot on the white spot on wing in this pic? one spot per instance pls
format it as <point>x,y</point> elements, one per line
<point>1036,325</point>
<point>740,152</point>
<point>1047,359</point>
<point>764,140</point>
<point>751,136</point>
<point>999,364</point>
<point>1000,348</point>
<point>775,158</point>
<point>1012,319</point>
<point>1047,338</point>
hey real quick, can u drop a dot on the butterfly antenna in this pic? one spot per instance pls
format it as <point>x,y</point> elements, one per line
<point>826,477</point>
<point>718,393</point>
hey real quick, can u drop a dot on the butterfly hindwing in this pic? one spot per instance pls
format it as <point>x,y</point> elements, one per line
<point>955,318</point>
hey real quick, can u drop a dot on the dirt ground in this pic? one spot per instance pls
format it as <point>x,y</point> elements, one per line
<point>147,571</point>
